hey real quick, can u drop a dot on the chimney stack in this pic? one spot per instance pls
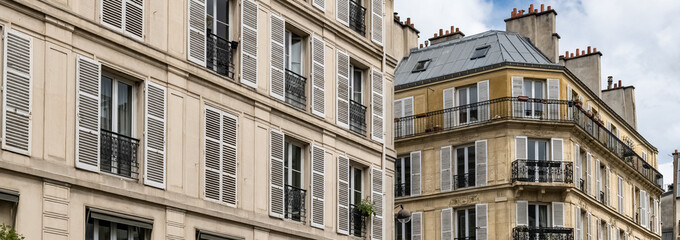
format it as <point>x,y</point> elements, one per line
<point>610,79</point>
<point>452,34</point>
<point>539,27</point>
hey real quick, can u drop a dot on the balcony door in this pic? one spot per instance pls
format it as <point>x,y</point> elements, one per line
<point>534,89</point>
<point>539,217</point>
<point>357,85</point>
<point>465,167</point>
<point>467,111</point>
<point>403,177</point>
<point>356,194</point>
<point>538,152</point>
<point>118,124</point>
<point>466,224</point>
<point>294,180</point>
<point>217,35</point>
<point>294,53</point>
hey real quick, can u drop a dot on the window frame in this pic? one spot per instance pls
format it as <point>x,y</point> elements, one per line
<point>466,163</point>
<point>352,183</point>
<point>353,70</point>
<point>287,44</point>
<point>536,141</point>
<point>538,214</point>
<point>113,233</point>
<point>533,105</point>
<point>288,161</point>
<point>468,110</point>
<point>480,52</point>
<point>421,68</point>
<point>115,79</point>
<point>467,221</point>
<point>230,17</point>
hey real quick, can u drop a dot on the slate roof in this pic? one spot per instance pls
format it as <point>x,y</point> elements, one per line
<point>451,57</point>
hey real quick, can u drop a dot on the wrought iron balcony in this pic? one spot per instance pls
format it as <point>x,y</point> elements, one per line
<point>463,181</point>
<point>402,190</point>
<point>220,55</point>
<point>542,233</point>
<point>295,203</point>
<point>357,17</point>
<point>466,238</point>
<point>357,222</point>
<point>601,197</point>
<point>357,118</point>
<point>295,90</point>
<point>119,154</point>
<point>542,171</point>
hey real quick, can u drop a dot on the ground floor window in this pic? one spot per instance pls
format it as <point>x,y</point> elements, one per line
<point>8,207</point>
<point>104,225</point>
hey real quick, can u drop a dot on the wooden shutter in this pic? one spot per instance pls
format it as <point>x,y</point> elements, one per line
<point>577,223</point>
<point>112,13</point>
<point>577,166</point>
<point>277,88</point>
<point>589,225</point>
<point>196,37</point>
<point>408,126</point>
<point>417,226</point>
<point>517,90</point>
<point>557,145</point>
<point>377,21</point>
<point>445,167</point>
<point>134,18</point>
<point>88,113</point>
<point>449,102</point>
<point>342,11</point>
<point>521,153</point>
<point>320,4</point>
<point>318,77</point>
<point>229,159</point>
<point>606,186</point>
<point>276,173</point>
<point>481,155</point>
<point>343,195</point>
<point>554,94</point>
<point>447,224</point>
<point>589,174</point>
<point>17,94</point>
<point>377,198</point>
<point>598,179</point>
<point>482,213</point>
<point>483,96</point>
<point>249,43</point>
<point>318,194</point>
<point>522,213</point>
<point>643,208</point>
<point>377,111</point>
<point>221,134</point>
<point>343,91</point>
<point>558,214</point>
<point>154,137</point>
<point>619,194</point>
<point>398,112</point>
<point>415,173</point>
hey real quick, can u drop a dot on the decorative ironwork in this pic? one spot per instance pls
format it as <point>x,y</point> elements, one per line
<point>119,154</point>
<point>357,222</point>
<point>219,55</point>
<point>542,171</point>
<point>402,190</point>
<point>463,181</point>
<point>295,203</point>
<point>357,118</point>
<point>295,90</point>
<point>357,17</point>
<point>542,233</point>
<point>466,238</point>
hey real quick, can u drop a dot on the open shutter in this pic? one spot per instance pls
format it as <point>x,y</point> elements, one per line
<point>445,166</point>
<point>570,97</point>
<point>557,145</point>
<point>276,173</point>
<point>87,113</point>
<point>249,43</point>
<point>517,90</point>
<point>196,43</point>
<point>408,128</point>
<point>522,213</point>
<point>17,94</point>
<point>229,159</point>
<point>558,214</point>
<point>134,18</point>
<point>342,11</point>
<point>482,96</point>
<point>415,173</point>
<point>606,186</point>
<point>521,153</point>
<point>449,102</point>
<point>619,195</point>
<point>589,174</point>
<point>318,76</point>
<point>598,179</point>
<point>377,21</point>
<point>417,226</point>
<point>447,224</point>
<point>213,155</point>
<point>377,198</point>
<point>112,13</point>
<point>482,211</point>
<point>398,112</point>
<point>481,155</point>
<point>577,166</point>
<point>318,194</point>
<point>554,94</point>
<point>343,195</point>
<point>343,89</point>
<point>377,111</point>
<point>277,88</point>
<point>643,208</point>
<point>577,223</point>
<point>589,225</point>
<point>154,148</point>
<point>320,4</point>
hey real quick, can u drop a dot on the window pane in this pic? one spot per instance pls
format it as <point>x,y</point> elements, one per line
<point>124,109</point>
<point>538,89</point>
<point>460,224</point>
<point>528,89</point>
<point>407,174</point>
<point>531,150</point>
<point>89,230</point>
<point>286,167</point>
<point>472,227</point>
<point>473,94</point>
<point>471,162</point>
<point>222,11</point>
<point>357,87</point>
<point>106,103</point>
<point>121,232</point>
<point>104,230</point>
<point>296,54</point>
<point>532,215</point>
<point>462,97</point>
<point>460,161</point>
<point>542,150</point>
<point>287,49</point>
<point>222,30</point>
<point>543,215</point>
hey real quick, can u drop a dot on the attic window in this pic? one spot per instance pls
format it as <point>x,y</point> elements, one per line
<point>421,66</point>
<point>480,52</point>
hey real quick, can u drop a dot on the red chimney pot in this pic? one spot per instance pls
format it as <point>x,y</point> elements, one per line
<point>567,54</point>
<point>408,21</point>
<point>447,32</point>
<point>583,52</point>
<point>441,32</point>
<point>542,7</point>
<point>549,8</point>
<point>620,85</point>
<point>452,29</point>
<point>457,30</point>
<point>435,34</point>
<point>531,8</point>
<point>588,49</point>
<point>421,45</point>
<point>594,49</point>
<point>572,55</point>
<point>614,85</point>
<point>578,53</point>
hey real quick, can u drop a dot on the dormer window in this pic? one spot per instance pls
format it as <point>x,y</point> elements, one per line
<point>480,52</point>
<point>421,66</point>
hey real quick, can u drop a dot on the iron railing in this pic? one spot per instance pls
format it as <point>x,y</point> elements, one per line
<point>601,197</point>
<point>357,222</point>
<point>542,171</point>
<point>582,185</point>
<point>295,90</point>
<point>295,203</point>
<point>542,233</point>
<point>466,238</point>
<point>402,190</point>
<point>219,55</point>
<point>464,180</point>
<point>119,154</point>
<point>357,117</point>
<point>357,17</point>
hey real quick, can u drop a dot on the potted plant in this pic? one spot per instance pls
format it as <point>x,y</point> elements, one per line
<point>8,233</point>
<point>366,207</point>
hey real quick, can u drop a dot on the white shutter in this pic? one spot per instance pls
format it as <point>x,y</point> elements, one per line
<point>657,217</point>
<point>343,91</point>
<point>558,214</point>
<point>417,226</point>
<point>570,97</point>
<point>482,213</point>
<point>598,179</point>
<point>249,43</point>
<point>342,11</point>
<point>599,235</point>
<point>483,96</point>
<point>522,213</point>
<point>343,195</point>
<point>88,113</point>
<point>398,112</point>
<point>557,145</point>
<point>554,94</point>
<point>408,127</point>
<point>517,90</point>
<point>447,224</point>
<point>521,153</point>
<point>320,4</point>
<point>589,174</point>
<point>577,166</point>
<point>577,223</point>
<point>221,134</point>
<point>481,155</point>
<point>277,88</point>
<point>643,208</point>
<point>111,13</point>
<point>17,94</point>
<point>154,148</point>
<point>445,166</point>
<point>318,76</point>
<point>134,18</point>
<point>196,37</point>
<point>606,186</point>
<point>377,110</point>
<point>619,194</point>
<point>276,173</point>
<point>415,173</point>
<point>229,159</point>
<point>318,187</point>
<point>589,225</point>
<point>449,102</point>
<point>377,224</point>
<point>377,21</point>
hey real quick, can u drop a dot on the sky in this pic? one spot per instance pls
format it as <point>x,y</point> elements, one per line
<point>639,40</point>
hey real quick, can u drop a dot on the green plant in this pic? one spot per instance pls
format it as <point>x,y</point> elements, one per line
<point>8,233</point>
<point>366,207</point>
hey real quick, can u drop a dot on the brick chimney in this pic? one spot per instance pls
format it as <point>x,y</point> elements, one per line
<point>539,26</point>
<point>453,33</point>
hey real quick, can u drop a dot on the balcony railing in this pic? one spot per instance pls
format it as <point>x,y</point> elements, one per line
<point>601,197</point>
<point>402,190</point>
<point>295,203</point>
<point>357,222</point>
<point>295,90</point>
<point>542,171</point>
<point>582,185</point>
<point>119,154</point>
<point>357,17</point>
<point>465,238</point>
<point>219,55</point>
<point>357,118</point>
<point>542,233</point>
<point>463,181</point>
<point>528,109</point>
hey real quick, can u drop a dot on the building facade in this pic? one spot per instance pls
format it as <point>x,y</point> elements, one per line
<point>198,119</point>
<point>498,137</point>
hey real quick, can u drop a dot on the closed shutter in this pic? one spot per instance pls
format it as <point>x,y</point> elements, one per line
<point>557,149</point>
<point>589,174</point>
<point>570,97</point>
<point>482,212</point>
<point>342,13</point>
<point>445,166</point>
<point>17,94</point>
<point>606,186</point>
<point>482,97</point>
<point>554,94</point>
<point>276,173</point>
<point>320,4</point>
<point>415,173</point>
<point>377,111</point>
<point>521,153</point>
<point>481,155</point>
<point>517,90</point>
<point>643,208</point>
<point>249,43</point>
<point>447,224</point>
<point>619,194</point>
<point>522,213</point>
<point>577,166</point>
<point>134,18</point>
<point>277,88</point>
<point>87,113</point>
<point>221,130</point>
<point>377,198</point>
<point>558,214</point>
<point>577,223</point>
<point>589,225</point>
<point>155,135</point>
<point>318,194</point>
<point>343,89</point>
<point>417,226</point>
<point>449,113</point>
<point>196,43</point>
<point>229,159</point>
<point>377,21</point>
<point>343,195</point>
<point>598,179</point>
<point>318,76</point>
<point>398,112</point>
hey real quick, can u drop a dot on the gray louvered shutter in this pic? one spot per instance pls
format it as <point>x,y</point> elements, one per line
<point>87,113</point>
<point>343,89</point>
<point>318,188</point>
<point>577,223</point>
<point>377,21</point>
<point>343,195</point>
<point>318,77</point>
<point>229,159</point>
<point>342,11</point>
<point>482,211</point>
<point>598,179</point>
<point>408,128</point>
<point>517,90</point>
<point>320,4</point>
<point>483,96</point>
<point>154,148</point>
<point>415,173</point>
<point>449,102</point>
<point>112,13</point>
<point>606,186</point>
<point>557,149</point>
<point>445,167</point>
<point>589,174</point>
<point>276,173</point>
<point>249,43</point>
<point>643,208</point>
<point>398,112</point>
<point>196,38</point>
<point>577,166</point>
<point>481,155</point>
<point>554,94</point>
<point>277,88</point>
<point>417,226</point>
<point>213,155</point>
<point>619,195</point>
<point>570,97</point>
<point>377,198</point>
<point>521,148</point>
<point>377,102</point>
<point>447,224</point>
<point>134,18</point>
<point>18,99</point>
<point>558,214</point>
<point>522,213</point>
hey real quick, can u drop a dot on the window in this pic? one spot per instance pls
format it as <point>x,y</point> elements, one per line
<point>356,195</point>
<point>125,16</point>
<point>538,153</point>
<point>539,215</point>
<point>117,119</point>
<point>538,150</point>
<point>467,95</point>
<point>200,235</point>
<point>357,85</point>
<point>294,180</point>
<point>9,202</point>
<point>402,230</point>
<point>217,18</point>
<point>294,53</point>
<point>480,52</point>
<point>534,89</point>
<point>403,177</point>
<point>357,110</point>
<point>210,44</point>
<point>104,225</point>
<point>465,223</point>
<point>465,167</point>
<point>421,66</point>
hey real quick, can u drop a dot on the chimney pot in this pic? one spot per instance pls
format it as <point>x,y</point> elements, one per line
<point>413,25</point>
<point>567,54</point>
<point>435,34</point>
<point>620,85</point>
<point>441,32</point>
<point>594,49</point>
<point>421,45</point>
<point>676,150</point>
<point>408,21</point>
<point>549,8</point>
<point>583,52</point>
<point>588,49</point>
<point>427,43</point>
<point>610,79</point>
<point>615,85</point>
<point>572,55</point>
<point>457,30</point>
<point>542,7</point>
<point>531,8</point>
<point>447,32</point>
<point>578,52</point>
